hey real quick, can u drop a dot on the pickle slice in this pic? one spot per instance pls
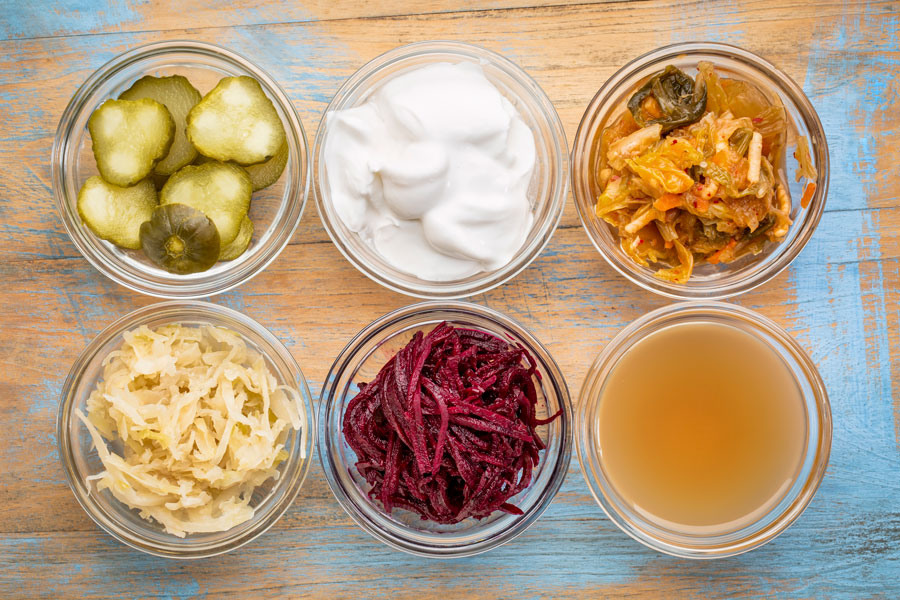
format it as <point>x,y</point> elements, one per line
<point>158,180</point>
<point>115,213</point>
<point>178,95</point>
<point>129,137</point>
<point>180,239</point>
<point>237,122</point>
<point>219,190</point>
<point>239,244</point>
<point>265,174</point>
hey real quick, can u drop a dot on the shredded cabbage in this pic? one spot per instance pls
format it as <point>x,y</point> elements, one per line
<point>197,421</point>
<point>805,166</point>
<point>706,190</point>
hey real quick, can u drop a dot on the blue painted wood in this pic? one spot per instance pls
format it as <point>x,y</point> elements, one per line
<point>841,299</point>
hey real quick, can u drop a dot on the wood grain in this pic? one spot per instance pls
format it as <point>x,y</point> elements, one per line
<point>841,299</point>
<point>83,17</point>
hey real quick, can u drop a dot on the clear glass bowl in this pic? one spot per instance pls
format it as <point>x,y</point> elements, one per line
<point>79,458</point>
<point>360,362</point>
<point>275,211</point>
<point>816,448</point>
<point>707,281</point>
<point>547,190</point>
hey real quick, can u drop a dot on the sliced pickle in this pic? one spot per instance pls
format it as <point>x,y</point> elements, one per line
<point>219,190</point>
<point>129,137</point>
<point>262,175</point>
<point>237,122</point>
<point>265,174</point>
<point>179,97</point>
<point>180,239</point>
<point>115,213</point>
<point>239,244</point>
<point>158,180</point>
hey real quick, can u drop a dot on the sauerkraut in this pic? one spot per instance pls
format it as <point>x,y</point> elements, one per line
<point>195,420</point>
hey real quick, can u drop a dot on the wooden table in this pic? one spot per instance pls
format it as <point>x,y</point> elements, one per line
<point>841,299</point>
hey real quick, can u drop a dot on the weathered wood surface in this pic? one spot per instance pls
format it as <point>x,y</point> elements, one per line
<point>841,299</point>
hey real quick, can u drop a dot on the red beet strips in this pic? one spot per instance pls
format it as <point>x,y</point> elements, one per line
<point>447,429</point>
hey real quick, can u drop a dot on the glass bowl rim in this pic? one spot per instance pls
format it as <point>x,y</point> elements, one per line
<point>452,290</point>
<point>786,253</point>
<point>198,311</point>
<point>653,321</point>
<point>292,205</point>
<point>413,314</point>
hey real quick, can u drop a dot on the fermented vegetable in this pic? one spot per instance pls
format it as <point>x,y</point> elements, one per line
<point>198,422</point>
<point>219,190</point>
<point>115,213</point>
<point>239,244</point>
<point>265,174</point>
<point>669,98</point>
<point>448,427</point>
<point>128,138</point>
<point>178,96</point>
<point>146,158</point>
<point>806,168</point>
<point>180,239</point>
<point>237,122</point>
<point>692,172</point>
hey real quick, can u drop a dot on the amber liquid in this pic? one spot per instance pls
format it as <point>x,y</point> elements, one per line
<point>702,428</point>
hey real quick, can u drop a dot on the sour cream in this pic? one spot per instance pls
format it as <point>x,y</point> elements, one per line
<point>432,172</point>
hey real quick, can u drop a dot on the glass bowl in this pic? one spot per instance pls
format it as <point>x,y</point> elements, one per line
<point>547,190</point>
<point>275,210</point>
<point>79,458</point>
<point>815,450</point>
<point>707,281</point>
<point>361,360</point>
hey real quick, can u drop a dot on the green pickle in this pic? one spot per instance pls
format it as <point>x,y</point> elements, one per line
<point>177,169</point>
<point>180,239</point>
<point>239,244</point>
<point>178,96</point>
<point>265,174</point>
<point>115,213</point>
<point>237,122</point>
<point>159,181</point>
<point>219,190</point>
<point>129,137</point>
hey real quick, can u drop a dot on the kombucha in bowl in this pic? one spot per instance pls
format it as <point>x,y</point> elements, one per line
<point>704,430</point>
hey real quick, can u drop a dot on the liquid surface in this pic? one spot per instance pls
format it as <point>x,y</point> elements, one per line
<point>432,171</point>
<point>702,428</point>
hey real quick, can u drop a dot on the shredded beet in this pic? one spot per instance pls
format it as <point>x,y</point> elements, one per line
<point>447,429</point>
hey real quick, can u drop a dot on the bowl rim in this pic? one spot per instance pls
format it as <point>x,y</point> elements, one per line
<point>485,281</point>
<point>292,205</point>
<point>193,310</point>
<point>419,313</point>
<point>818,450</point>
<point>786,253</point>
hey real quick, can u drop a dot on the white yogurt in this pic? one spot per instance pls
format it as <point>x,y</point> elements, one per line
<point>432,171</point>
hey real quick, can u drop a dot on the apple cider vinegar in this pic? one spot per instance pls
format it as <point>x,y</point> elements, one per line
<point>702,428</point>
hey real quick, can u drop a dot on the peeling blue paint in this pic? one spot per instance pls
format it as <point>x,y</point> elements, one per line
<point>39,19</point>
<point>845,545</point>
<point>854,363</point>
